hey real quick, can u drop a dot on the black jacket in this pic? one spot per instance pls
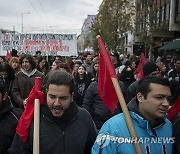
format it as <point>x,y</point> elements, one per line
<point>176,134</point>
<point>131,91</point>
<point>95,106</point>
<point>81,86</point>
<point>73,133</point>
<point>8,120</point>
<point>175,89</point>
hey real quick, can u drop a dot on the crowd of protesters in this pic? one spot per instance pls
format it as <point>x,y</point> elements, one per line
<point>19,71</point>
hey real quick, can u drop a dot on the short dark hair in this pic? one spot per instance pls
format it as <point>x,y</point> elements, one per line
<point>3,87</point>
<point>5,67</point>
<point>14,53</point>
<point>37,52</point>
<point>88,53</point>
<point>61,78</point>
<point>144,84</point>
<point>30,59</point>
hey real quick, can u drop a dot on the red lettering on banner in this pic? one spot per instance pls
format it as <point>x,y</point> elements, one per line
<point>44,48</point>
<point>26,48</point>
<point>48,48</point>
<point>32,48</point>
<point>47,43</point>
<point>32,42</point>
<point>60,48</point>
<point>51,42</point>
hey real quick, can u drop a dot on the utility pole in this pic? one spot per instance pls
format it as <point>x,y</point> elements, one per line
<point>22,15</point>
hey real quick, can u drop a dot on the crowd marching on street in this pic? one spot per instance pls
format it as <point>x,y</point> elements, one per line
<point>73,117</point>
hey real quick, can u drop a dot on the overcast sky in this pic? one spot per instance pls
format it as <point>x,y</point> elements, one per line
<point>62,16</point>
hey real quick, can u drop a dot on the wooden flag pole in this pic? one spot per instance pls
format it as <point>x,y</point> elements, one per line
<point>36,118</point>
<point>122,103</point>
<point>126,115</point>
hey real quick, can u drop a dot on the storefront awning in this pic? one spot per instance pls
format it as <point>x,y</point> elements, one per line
<point>175,44</point>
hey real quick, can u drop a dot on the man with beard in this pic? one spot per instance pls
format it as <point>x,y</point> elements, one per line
<point>64,127</point>
<point>24,80</point>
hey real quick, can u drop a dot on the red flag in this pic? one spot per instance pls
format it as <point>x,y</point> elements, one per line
<point>174,109</point>
<point>8,55</point>
<point>25,120</point>
<point>139,70</point>
<point>106,71</point>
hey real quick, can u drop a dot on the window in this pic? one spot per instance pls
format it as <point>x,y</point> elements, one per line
<point>162,13</point>
<point>158,15</point>
<point>177,7</point>
<point>167,11</point>
<point>126,39</point>
<point>165,6</point>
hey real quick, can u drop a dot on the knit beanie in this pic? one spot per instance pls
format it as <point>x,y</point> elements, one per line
<point>149,67</point>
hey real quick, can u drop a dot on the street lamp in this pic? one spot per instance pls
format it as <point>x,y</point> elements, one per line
<point>22,15</point>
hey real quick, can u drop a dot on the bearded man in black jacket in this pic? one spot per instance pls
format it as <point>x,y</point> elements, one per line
<point>64,127</point>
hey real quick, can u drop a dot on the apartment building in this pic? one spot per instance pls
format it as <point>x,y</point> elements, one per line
<point>158,21</point>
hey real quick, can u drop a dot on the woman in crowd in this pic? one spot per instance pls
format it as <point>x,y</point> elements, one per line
<point>81,84</point>
<point>94,71</point>
<point>43,65</point>
<point>14,63</point>
<point>7,74</point>
<point>2,59</point>
<point>56,65</point>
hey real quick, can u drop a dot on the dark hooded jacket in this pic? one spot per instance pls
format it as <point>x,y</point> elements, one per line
<point>131,91</point>
<point>96,107</point>
<point>8,120</point>
<point>176,134</point>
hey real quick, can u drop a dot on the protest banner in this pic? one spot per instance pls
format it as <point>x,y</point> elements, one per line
<point>48,44</point>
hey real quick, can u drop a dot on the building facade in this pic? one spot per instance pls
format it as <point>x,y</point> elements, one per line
<point>86,33</point>
<point>157,22</point>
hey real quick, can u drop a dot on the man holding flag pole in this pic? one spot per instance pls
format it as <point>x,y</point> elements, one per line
<point>142,130</point>
<point>63,127</point>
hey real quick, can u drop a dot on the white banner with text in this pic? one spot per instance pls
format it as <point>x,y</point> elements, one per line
<point>48,44</point>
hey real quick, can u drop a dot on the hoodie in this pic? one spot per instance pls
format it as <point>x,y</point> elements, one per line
<point>114,136</point>
<point>8,120</point>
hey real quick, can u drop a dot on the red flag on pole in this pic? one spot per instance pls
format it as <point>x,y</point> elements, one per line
<point>8,55</point>
<point>174,110</point>
<point>139,71</point>
<point>106,89</point>
<point>26,118</point>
